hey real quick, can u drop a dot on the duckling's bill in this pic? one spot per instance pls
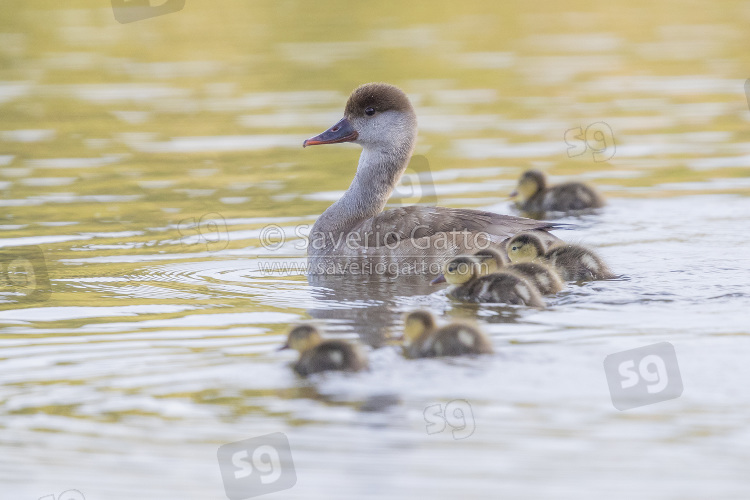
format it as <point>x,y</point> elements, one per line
<point>438,280</point>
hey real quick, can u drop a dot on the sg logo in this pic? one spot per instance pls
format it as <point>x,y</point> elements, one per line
<point>643,376</point>
<point>416,186</point>
<point>211,231</point>
<point>457,414</point>
<point>23,274</point>
<point>257,466</point>
<point>66,495</point>
<point>128,11</point>
<point>597,137</point>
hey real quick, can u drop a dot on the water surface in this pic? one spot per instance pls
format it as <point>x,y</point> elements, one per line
<point>147,161</point>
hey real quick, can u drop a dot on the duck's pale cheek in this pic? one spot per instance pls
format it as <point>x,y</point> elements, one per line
<point>526,190</point>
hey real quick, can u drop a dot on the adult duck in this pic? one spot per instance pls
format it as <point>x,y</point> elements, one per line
<point>355,236</point>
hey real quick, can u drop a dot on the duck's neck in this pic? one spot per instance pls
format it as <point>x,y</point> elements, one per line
<point>378,172</point>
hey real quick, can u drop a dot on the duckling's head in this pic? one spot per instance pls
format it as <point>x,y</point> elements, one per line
<point>524,247</point>
<point>416,323</point>
<point>461,269</point>
<point>377,116</point>
<point>530,183</point>
<point>489,260</point>
<point>302,338</point>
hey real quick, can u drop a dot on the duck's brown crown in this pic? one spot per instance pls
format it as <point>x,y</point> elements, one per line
<point>378,96</point>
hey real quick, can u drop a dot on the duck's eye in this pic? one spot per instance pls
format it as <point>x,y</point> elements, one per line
<point>452,268</point>
<point>370,111</point>
<point>514,248</point>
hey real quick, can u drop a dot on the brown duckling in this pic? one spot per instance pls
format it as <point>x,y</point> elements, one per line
<point>464,274</point>
<point>422,339</point>
<point>318,355</point>
<point>573,262</point>
<point>545,278</point>
<point>534,195</point>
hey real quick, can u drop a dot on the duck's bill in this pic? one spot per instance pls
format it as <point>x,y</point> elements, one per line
<point>513,194</point>
<point>285,346</point>
<point>341,132</point>
<point>438,280</point>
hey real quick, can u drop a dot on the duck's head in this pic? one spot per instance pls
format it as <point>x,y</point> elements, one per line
<point>530,183</point>
<point>489,260</point>
<point>416,323</point>
<point>303,337</point>
<point>524,247</point>
<point>461,269</point>
<point>377,116</point>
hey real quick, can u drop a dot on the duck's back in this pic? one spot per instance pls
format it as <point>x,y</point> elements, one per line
<point>412,240</point>
<point>458,339</point>
<point>577,263</point>
<point>543,277</point>
<point>331,355</point>
<point>571,196</point>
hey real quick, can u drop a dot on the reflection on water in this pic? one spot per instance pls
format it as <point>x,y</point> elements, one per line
<point>146,163</point>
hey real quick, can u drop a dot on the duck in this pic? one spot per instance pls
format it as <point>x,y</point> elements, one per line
<point>422,338</point>
<point>355,236</point>
<point>468,284</point>
<point>534,196</point>
<point>573,262</point>
<point>545,278</point>
<point>318,355</point>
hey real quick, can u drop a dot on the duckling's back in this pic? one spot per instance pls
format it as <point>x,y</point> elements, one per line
<point>331,355</point>
<point>571,196</point>
<point>505,288</point>
<point>458,339</point>
<point>543,277</point>
<point>577,263</point>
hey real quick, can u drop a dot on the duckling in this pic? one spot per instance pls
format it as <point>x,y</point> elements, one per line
<point>464,273</point>
<point>544,277</point>
<point>573,262</point>
<point>318,355</point>
<point>423,340</point>
<point>534,195</point>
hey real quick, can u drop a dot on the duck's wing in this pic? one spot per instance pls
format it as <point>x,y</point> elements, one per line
<point>416,240</point>
<point>415,222</point>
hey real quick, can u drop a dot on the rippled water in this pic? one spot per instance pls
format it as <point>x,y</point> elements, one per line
<point>156,169</point>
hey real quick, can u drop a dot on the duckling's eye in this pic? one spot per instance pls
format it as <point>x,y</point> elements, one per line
<point>514,248</point>
<point>452,268</point>
<point>370,111</point>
